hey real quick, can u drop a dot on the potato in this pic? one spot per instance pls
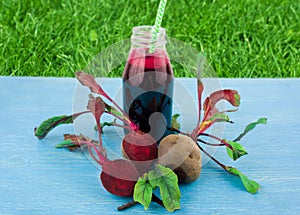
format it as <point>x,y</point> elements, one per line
<point>180,153</point>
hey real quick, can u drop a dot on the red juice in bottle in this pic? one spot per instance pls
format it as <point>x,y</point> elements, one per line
<point>148,87</point>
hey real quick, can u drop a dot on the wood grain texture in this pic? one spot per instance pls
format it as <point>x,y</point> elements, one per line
<point>36,178</point>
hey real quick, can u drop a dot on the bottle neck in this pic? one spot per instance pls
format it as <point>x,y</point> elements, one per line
<point>142,38</point>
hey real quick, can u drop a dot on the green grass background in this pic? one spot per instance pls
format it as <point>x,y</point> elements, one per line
<point>249,38</point>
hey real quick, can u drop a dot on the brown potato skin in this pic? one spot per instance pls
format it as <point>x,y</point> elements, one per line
<point>180,153</point>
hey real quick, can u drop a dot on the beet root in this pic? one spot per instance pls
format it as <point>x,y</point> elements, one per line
<point>141,148</point>
<point>119,177</point>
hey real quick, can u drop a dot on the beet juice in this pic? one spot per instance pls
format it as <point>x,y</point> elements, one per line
<point>148,84</point>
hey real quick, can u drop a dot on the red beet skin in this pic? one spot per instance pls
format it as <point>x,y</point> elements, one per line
<point>139,146</point>
<point>119,177</point>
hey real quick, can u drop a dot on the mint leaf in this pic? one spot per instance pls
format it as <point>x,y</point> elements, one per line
<point>250,185</point>
<point>143,191</point>
<point>237,150</point>
<point>167,181</point>
<point>175,123</point>
<point>48,125</point>
<point>250,127</point>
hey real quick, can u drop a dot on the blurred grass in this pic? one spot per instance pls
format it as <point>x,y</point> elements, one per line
<point>250,38</point>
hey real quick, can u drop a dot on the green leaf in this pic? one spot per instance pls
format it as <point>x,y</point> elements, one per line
<point>175,123</point>
<point>237,150</point>
<point>220,117</point>
<point>71,141</point>
<point>167,181</point>
<point>46,126</point>
<point>65,144</point>
<point>143,191</point>
<point>104,124</point>
<point>108,124</point>
<point>111,109</point>
<point>250,127</point>
<point>250,185</point>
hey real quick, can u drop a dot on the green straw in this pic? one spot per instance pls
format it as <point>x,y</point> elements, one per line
<point>156,27</point>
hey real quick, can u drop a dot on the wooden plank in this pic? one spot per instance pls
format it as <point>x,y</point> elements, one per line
<point>36,178</point>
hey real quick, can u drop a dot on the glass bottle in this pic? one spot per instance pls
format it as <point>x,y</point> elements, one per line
<point>148,81</point>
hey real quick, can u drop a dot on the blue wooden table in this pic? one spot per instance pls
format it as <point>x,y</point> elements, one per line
<point>36,178</point>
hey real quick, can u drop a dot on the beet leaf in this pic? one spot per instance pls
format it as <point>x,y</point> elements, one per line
<point>250,185</point>
<point>96,106</point>
<point>167,181</point>
<point>210,102</point>
<point>48,125</point>
<point>143,191</point>
<point>236,151</point>
<point>250,127</point>
<point>175,123</point>
<point>90,81</point>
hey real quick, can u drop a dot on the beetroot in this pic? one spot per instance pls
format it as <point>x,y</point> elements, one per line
<point>141,148</point>
<point>119,177</point>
